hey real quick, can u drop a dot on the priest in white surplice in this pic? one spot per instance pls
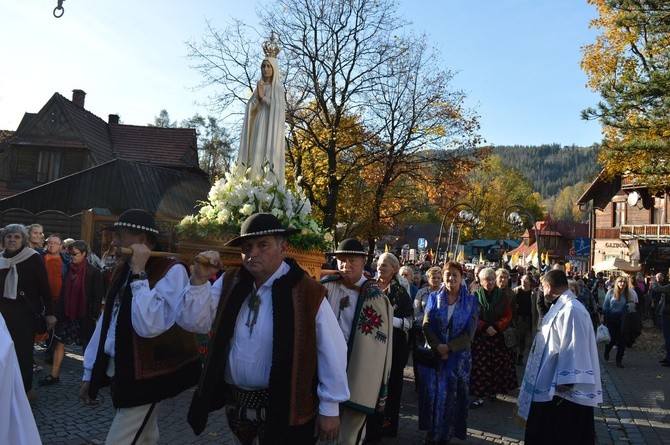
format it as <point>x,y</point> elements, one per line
<point>561,385</point>
<point>17,424</point>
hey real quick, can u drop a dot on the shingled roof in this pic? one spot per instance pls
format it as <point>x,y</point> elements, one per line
<point>172,147</point>
<point>118,185</point>
<point>80,128</point>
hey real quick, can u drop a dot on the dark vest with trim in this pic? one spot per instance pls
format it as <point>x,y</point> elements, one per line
<point>147,370</point>
<point>296,298</point>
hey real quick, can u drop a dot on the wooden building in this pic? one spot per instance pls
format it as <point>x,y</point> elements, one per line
<point>65,160</point>
<point>629,222</point>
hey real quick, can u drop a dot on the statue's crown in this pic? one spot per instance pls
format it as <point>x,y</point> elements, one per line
<point>270,47</point>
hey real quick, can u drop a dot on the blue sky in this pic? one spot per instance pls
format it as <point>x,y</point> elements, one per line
<point>518,60</point>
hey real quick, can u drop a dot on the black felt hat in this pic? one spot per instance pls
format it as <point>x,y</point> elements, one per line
<point>260,224</point>
<point>350,246</point>
<point>136,219</point>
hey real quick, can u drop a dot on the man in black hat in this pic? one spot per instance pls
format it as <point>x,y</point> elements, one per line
<point>277,359</point>
<point>365,316</point>
<point>136,345</point>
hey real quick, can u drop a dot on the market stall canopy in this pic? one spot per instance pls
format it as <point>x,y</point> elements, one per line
<point>615,264</point>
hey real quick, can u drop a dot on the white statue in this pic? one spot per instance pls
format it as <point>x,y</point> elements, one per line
<point>262,141</point>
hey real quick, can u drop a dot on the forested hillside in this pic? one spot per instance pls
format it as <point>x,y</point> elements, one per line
<point>551,168</point>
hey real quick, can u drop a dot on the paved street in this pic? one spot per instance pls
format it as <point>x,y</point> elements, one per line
<point>636,408</point>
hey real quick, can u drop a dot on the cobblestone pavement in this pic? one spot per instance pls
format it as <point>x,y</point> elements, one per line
<point>636,409</point>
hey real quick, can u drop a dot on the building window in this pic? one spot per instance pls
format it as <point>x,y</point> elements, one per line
<point>619,213</point>
<point>549,243</point>
<point>658,214</point>
<point>48,166</point>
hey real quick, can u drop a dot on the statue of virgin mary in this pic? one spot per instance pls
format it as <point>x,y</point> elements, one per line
<point>262,142</point>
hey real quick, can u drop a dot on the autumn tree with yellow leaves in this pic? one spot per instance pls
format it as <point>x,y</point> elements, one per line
<point>629,64</point>
<point>492,188</point>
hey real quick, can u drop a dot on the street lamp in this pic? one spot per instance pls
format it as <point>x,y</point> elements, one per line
<point>463,214</point>
<point>518,218</point>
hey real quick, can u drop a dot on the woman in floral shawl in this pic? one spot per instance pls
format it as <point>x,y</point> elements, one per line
<point>449,325</point>
<point>493,370</point>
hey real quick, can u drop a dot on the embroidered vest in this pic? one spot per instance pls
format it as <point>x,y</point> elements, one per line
<point>296,298</point>
<point>147,370</point>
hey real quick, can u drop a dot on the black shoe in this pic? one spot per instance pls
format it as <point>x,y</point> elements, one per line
<point>607,355</point>
<point>476,403</point>
<point>48,380</point>
<point>619,365</point>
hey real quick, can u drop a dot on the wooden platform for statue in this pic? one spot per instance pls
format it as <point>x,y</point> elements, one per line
<point>311,262</point>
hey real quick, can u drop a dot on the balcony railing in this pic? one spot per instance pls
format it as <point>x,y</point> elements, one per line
<point>646,231</point>
<point>631,181</point>
<point>607,233</point>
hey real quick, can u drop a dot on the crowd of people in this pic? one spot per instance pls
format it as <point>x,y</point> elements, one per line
<point>290,355</point>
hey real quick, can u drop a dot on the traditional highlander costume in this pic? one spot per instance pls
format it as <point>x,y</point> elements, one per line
<point>365,316</point>
<point>276,359</point>
<point>136,345</point>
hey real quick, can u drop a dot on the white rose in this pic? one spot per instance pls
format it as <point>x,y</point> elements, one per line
<point>247,209</point>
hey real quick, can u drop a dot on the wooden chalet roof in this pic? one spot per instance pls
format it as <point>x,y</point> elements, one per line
<point>601,192</point>
<point>118,185</point>
<point>62,123</point>
<point>173,147</point>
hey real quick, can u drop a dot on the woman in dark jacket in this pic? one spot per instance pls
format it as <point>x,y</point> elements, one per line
<point>386,424</point>
<point>78,307</point>
<point>23,280</point>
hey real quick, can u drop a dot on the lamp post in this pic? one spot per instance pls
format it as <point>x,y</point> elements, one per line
<point>519,218</point>
<point>463,214</point>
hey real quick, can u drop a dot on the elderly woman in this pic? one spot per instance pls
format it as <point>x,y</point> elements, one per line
<point>449,326</point>
<point>23,278</point>
<point>493,370</point>
<point>407,272</point>
<point>386,424</point>
<point>78,306</point>
<point>434,276</point>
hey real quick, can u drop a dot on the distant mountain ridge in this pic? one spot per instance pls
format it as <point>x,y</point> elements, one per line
<point>551,168</point>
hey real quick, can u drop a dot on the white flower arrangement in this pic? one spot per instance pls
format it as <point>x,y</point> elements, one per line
<point>235,196</point>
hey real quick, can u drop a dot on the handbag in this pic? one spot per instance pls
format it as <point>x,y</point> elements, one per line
<point>40,323</point>
<point>603,334</point>
<point>424,355</point>
<point>40,317</point>
<point>509,335</point>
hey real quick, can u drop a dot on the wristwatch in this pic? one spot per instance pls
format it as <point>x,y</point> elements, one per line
<point>142,275</point>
